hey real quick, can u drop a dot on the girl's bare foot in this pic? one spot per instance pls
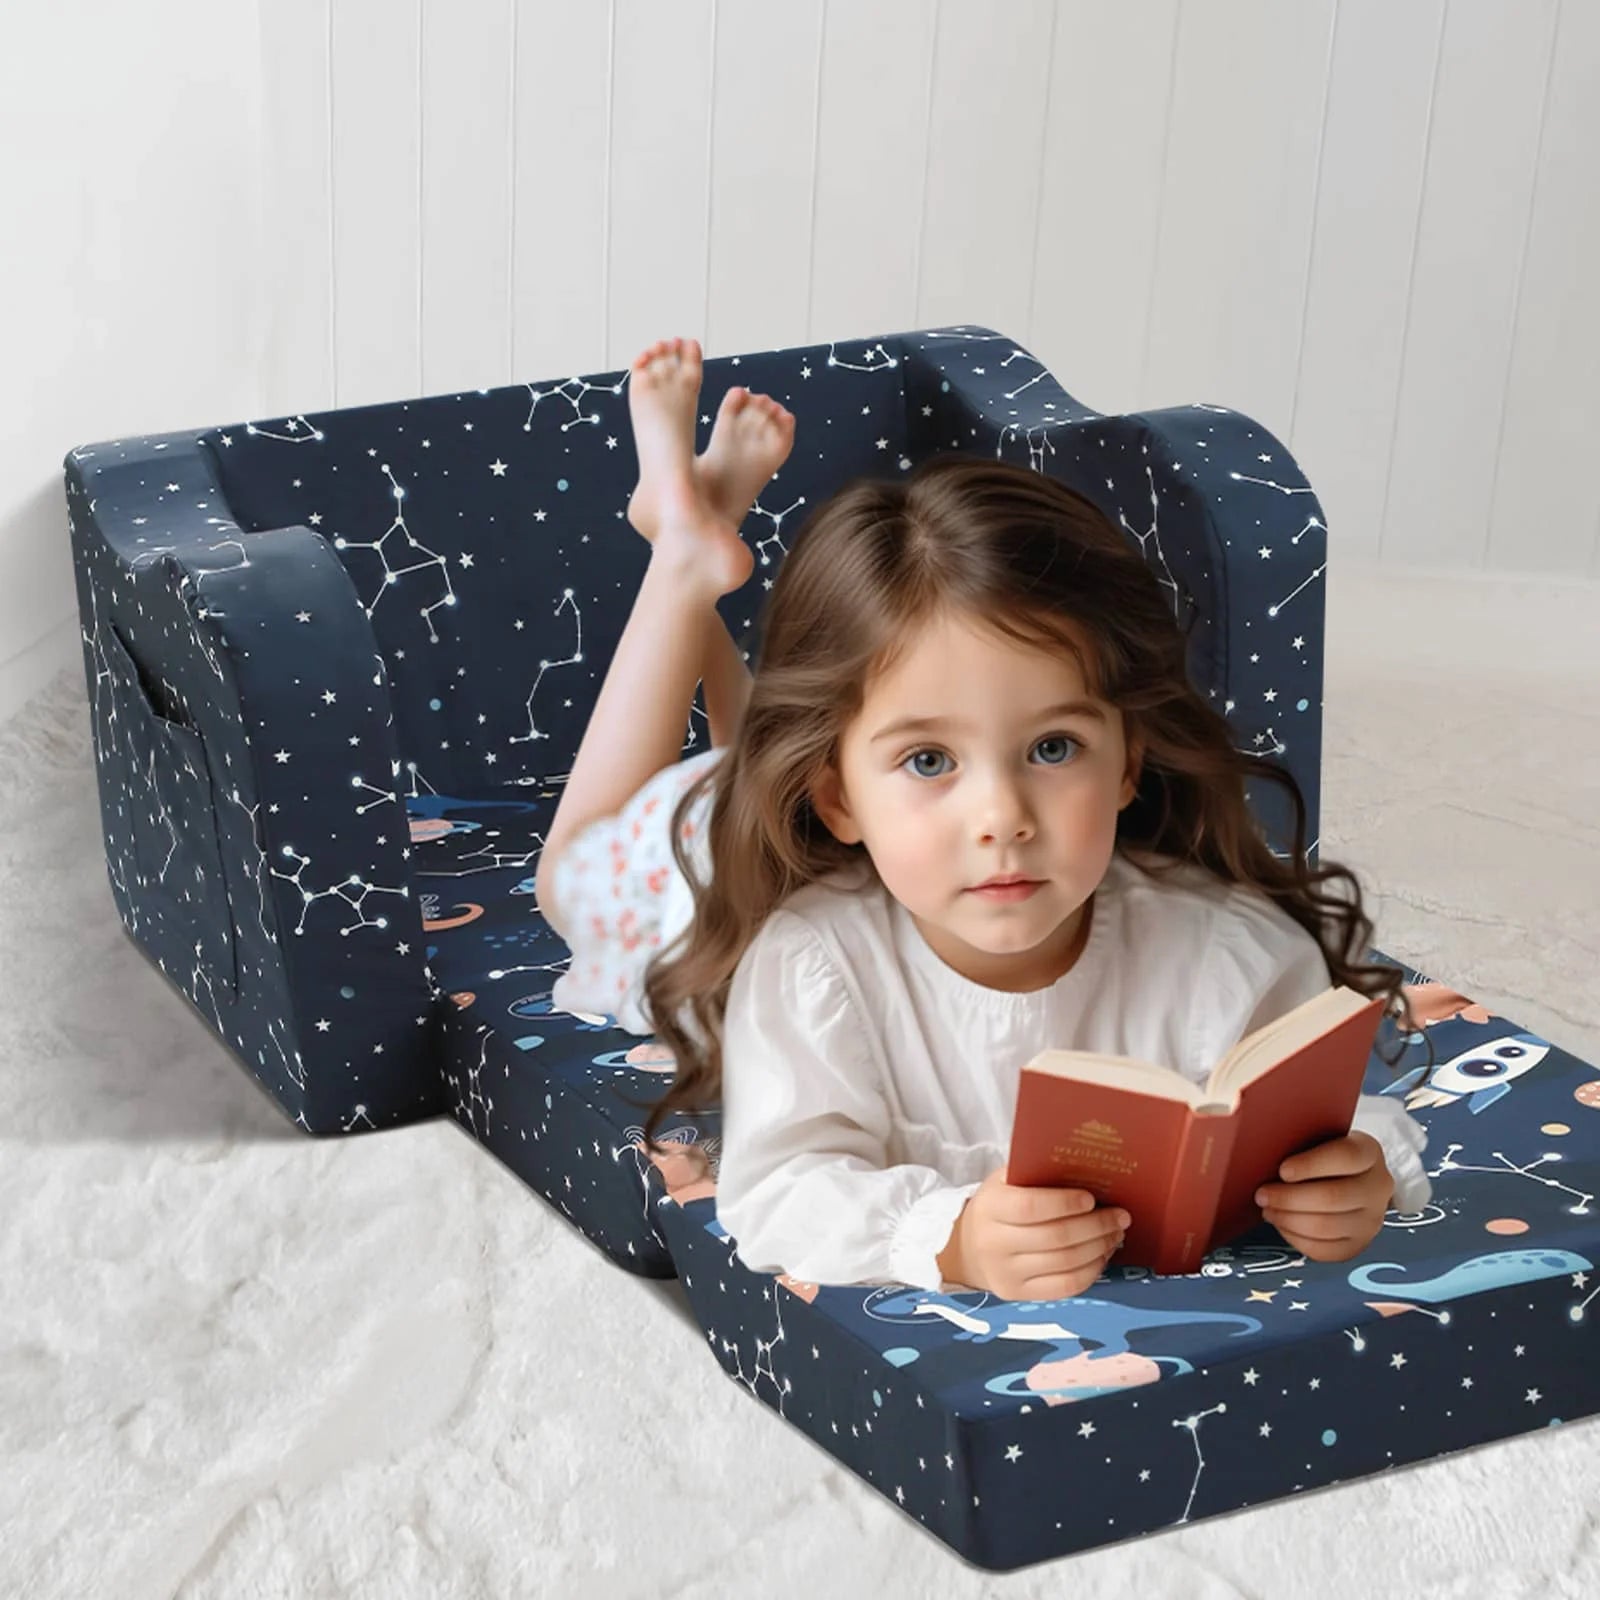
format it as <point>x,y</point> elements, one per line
<point>751,439</point>
<point>663,391</point>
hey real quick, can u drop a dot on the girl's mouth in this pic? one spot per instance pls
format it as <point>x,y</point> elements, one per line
<point>1005,892</point>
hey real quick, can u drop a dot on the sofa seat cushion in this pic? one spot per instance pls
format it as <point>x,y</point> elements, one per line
<point>550,1092</point>
<point>1021,1431</point>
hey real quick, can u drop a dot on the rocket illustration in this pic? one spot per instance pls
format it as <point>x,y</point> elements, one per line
<point>1480,1075</point>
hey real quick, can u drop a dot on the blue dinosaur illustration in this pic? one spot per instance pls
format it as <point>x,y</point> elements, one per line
<point>1492,1271</point>
<point>1106,1322</point>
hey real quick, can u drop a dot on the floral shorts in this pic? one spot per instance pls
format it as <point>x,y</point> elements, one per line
<point>622,896</point>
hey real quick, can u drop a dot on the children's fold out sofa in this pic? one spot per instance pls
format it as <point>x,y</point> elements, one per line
<point>338,666</point>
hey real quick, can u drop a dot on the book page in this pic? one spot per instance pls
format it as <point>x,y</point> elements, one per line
<point>1120,1072</point>
<point>1276,1041</point>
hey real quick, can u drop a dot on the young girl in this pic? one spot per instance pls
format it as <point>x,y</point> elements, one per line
<point>968,679</point>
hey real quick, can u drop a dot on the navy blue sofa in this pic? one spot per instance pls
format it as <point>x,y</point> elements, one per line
<point>338,666</point>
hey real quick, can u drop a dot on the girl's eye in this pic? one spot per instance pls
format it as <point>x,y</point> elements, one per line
<point>1052,739</point>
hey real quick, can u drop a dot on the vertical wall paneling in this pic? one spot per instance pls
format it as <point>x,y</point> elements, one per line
<point>333,222</point>
<point>1470,242</point>
<point>132,272</point>
<point>1373,225</point>
<point>1546,500</point>
<point>1341,425</point>
<point>871,154</point>
<point>1160,206</point>
<point>763,140</point>
<point>660,124</point>
<point>375,201</point>
<point>1038,202</point>
<point>296,359</point>
<point>1100,196</point>
<point>418,222</point>
<point>1311,241</point>
<point>990,73</point>
<point>466,157</point>
<point>1236,225</point>
<point>511,198</point>
<point>562,126</point>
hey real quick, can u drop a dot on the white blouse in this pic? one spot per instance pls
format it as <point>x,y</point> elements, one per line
<point>868,1087</point>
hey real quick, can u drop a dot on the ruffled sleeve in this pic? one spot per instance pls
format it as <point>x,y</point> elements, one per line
<point>805,1185</point>
<point>1403,1139</point>
<point>1271,965</point>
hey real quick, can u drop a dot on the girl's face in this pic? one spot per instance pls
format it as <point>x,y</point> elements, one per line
<point>1001,783</point>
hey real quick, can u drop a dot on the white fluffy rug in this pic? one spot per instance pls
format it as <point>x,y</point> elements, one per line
<point>236,1361</point>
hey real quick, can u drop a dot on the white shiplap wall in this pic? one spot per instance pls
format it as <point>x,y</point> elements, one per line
<point>1374,226</point>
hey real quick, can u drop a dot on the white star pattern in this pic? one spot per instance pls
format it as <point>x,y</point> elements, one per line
<point>427,705</point>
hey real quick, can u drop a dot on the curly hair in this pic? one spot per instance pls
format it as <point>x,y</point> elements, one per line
<point>973,537</point>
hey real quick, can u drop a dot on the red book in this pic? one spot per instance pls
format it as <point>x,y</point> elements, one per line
<point>1185,1160</point>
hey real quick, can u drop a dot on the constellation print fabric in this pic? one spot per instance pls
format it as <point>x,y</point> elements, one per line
<point>335,664</point>
<point>623,896</point>
<point>447,576</point>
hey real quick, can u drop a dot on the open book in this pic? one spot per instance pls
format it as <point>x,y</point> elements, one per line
<point>1185,1160</point>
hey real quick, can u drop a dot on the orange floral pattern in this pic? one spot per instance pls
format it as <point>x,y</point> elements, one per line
<point>614,877</point>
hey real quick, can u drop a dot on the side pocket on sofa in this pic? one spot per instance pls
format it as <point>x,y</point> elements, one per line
<point>177,846</point>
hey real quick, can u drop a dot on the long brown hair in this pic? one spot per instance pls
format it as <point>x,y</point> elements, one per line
<point>968,536</point>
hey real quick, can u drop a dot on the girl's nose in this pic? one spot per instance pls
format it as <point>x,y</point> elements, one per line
<point>1004,817</point>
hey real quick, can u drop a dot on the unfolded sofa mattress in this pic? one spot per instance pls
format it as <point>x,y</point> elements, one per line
<point>338,665</point>
<point>1149,1401</point>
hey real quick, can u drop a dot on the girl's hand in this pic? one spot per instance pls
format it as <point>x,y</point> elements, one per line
<point>1030,1244</point>
<point>1332,1200</point>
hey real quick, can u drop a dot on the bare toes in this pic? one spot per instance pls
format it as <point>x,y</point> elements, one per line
<point>667,359</point>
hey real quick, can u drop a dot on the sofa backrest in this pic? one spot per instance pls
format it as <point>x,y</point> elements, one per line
<point>485,533</point>
<point>486,536</point>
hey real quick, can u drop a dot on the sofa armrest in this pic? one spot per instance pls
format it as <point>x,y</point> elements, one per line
<point>251,656</point>
<point>1216,503</point>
